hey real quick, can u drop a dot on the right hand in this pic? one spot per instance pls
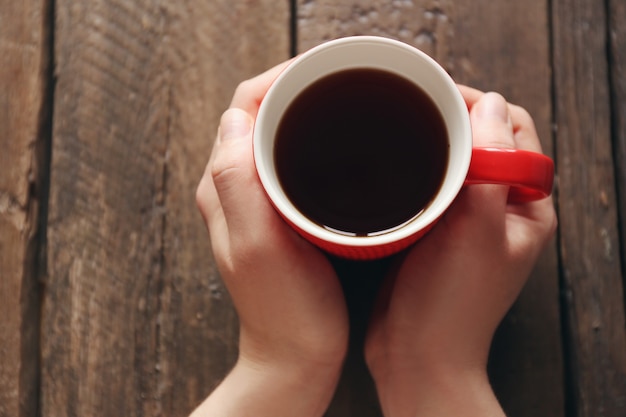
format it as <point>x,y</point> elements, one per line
<point>430,336</point>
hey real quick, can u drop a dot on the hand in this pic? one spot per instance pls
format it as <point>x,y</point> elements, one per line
<point>293,319</point>
<point>430,335</point>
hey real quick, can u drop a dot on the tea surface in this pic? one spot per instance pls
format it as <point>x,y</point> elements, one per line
<point>361,151</point>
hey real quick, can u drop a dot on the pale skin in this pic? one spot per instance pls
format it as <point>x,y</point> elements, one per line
<point>437,311</point>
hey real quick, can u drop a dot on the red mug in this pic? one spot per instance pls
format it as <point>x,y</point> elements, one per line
<point>529,174</point>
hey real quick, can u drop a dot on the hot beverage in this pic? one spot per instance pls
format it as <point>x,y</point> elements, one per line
<point>361,151</point>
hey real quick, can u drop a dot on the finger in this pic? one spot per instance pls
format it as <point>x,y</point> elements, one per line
<point>206,195</point>
<point>210,208</point>
<point>524,129</point>
<point>250,93</point>
<point>491,127</point>
<point>491,122</point>
<point>231,164</point>
<point>246,209</point>
<point>523,124</point>
<point>209,205</point>
<point>470,95</point>
<point>536,219</point>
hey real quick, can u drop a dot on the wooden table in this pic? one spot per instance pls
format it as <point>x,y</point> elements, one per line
<point>110,303</point>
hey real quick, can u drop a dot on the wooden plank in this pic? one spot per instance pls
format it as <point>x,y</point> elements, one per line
<point>106,212</point>
<point>617,60</point>
<point>594,304</point>
<point>24,142</point>
<point>502,46</point>
<point>135,319</point>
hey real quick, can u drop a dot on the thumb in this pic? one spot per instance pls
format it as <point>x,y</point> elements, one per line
<point>491,127</point>
<point>233,147</point>
<point>235,124</point>
<point>491,122</point>
<point>232,168</point>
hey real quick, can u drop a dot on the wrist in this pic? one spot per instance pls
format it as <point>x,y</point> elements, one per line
<point>436,390</point>
<point>272,390</point>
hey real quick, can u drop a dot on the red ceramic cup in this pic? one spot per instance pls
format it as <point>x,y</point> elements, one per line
<point>530,175</point>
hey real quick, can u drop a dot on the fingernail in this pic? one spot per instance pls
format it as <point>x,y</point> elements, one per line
<point>235,124</point>
<point>494,106</point>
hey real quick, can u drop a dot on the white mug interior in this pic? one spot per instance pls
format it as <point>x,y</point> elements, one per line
<point>365,52</point>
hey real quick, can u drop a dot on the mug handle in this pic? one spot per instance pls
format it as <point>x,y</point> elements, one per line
<point>529,174</point>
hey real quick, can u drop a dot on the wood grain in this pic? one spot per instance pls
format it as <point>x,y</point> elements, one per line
<point>617,69</point>
<point>136,321</point>
<point>113,285</point>
<point>589,243</point>
<point>502,46</point>
<point>24,142</point>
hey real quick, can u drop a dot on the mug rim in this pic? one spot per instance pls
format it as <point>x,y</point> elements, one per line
<point>266,172</point>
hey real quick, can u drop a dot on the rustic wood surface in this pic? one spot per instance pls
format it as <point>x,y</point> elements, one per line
<point>617,59</point>
<point>110,303</point>
<point>24,138</point>
<point>135,319</point>
<point>590,243</point>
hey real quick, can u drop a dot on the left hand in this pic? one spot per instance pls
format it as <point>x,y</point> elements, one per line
<point>292,314</point>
